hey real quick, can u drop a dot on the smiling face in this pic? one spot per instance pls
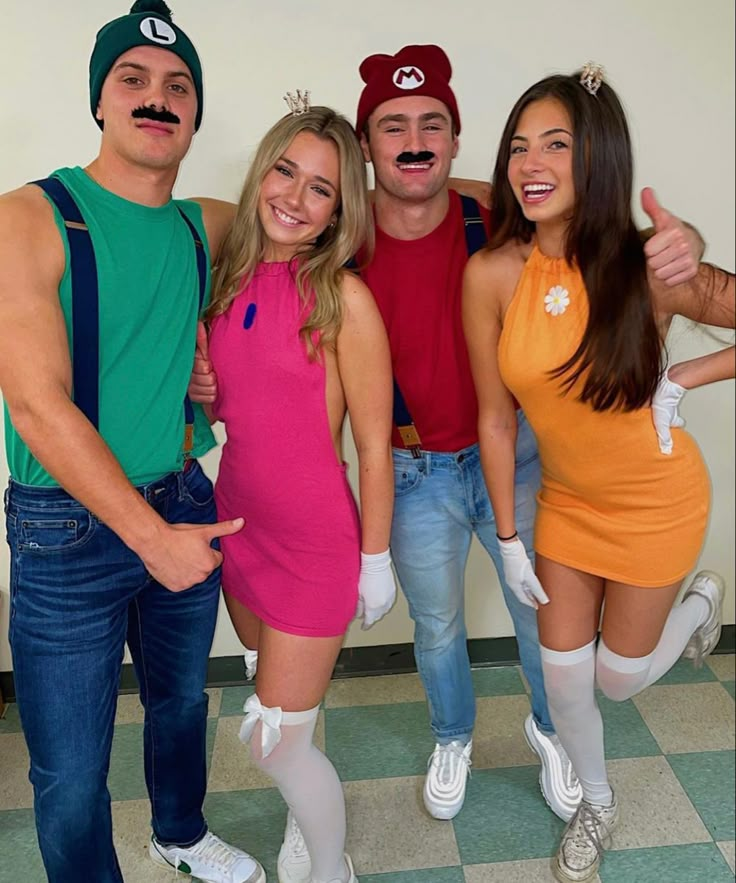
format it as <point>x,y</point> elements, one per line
<point>299,196</point>
<point>540,168</point>
<point>157,79</point>
<point>411,145</point>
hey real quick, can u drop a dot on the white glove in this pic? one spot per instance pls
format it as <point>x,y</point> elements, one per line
<point>519,574</point>
<point>665,402</point>
<point>376,587</point>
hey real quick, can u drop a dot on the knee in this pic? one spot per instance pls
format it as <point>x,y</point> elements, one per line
<point>620,677</point>
<point>616,685</point>
<point>439,631</point>
<point>69,803</point>
<point>278,739</point>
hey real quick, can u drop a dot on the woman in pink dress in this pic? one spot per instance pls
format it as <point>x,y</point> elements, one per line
<point>296,341</point>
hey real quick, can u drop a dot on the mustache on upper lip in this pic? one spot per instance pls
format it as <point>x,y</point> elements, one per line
<point>422,156</point>
<point>158,116</point>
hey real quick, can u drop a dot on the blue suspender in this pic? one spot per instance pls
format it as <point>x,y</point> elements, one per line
<point>475,229</point>
<point>85,304</point>
<point>86,310</point>
<point>475,239</point>
<point>202,273</point>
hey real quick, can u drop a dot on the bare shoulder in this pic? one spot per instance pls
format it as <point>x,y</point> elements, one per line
<point>29,239</point>
<point>217,216</point>
<point>355,293</point>
<point>494,274</point>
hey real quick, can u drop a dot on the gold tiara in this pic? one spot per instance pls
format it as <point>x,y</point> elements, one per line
<point>591,77</point>
<point>298,102</point>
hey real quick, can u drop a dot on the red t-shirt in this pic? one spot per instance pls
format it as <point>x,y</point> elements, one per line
<point>417,284</point>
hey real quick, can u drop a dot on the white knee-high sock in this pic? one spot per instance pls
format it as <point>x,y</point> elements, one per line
<point>308,783</point>
<point>569,680</point>
<point>621,677</point>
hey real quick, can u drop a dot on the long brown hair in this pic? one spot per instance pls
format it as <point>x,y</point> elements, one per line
<point>319,266</point>
<point>619,355</point>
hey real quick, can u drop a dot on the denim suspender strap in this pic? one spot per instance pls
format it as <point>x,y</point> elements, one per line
<point>85,305</point>
<point>475,230</point>
<point>86,309</point>
<point>202,274</point>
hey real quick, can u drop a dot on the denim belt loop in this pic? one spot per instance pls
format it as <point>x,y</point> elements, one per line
<point>428,463</point>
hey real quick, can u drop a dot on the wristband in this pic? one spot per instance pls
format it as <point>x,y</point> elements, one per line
<point>506,539</point>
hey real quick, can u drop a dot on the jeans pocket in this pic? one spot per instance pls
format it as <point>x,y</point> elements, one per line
<point>407,476</point>
<point>58,531</point>
<point>197,489</point>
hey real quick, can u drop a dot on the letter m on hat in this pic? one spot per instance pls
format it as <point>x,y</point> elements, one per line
<point>409,77</point>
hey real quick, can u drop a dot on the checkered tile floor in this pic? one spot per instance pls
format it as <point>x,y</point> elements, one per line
<point>671,753</point>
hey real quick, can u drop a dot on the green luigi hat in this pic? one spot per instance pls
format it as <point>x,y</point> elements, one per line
<point>148,24</point>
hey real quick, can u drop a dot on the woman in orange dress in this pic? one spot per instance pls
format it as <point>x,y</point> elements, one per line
<point>561,314</point>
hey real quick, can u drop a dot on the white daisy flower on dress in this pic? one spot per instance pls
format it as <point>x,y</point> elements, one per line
<point>557,300</point>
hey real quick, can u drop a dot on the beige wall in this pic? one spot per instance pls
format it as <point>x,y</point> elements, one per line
<point>671,60</point>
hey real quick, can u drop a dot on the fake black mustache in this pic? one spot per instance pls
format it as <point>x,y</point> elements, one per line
<point>158,116</point>
<point>422,156</point>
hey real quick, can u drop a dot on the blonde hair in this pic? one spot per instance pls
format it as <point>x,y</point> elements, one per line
<point>320,265</point>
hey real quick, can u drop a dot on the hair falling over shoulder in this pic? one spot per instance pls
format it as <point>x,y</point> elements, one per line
<point>318,268</point>
<point>619,356</point>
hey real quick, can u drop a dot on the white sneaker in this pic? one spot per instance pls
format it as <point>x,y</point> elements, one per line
<point>210,860</point>
<point>448,769</point>
<point>294,864</point>
<point>711,586</point>
<point>586,836</point>
<point>351,872</point>
<point>560,785</point>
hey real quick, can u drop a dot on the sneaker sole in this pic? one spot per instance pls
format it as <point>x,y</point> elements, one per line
<point>564,811</point>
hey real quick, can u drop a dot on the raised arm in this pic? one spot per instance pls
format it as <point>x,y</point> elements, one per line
<point>364,364</point>
<point>35,378</point>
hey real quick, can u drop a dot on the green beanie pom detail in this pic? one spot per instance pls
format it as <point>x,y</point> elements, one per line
<point>157,7</point>
<point>149,23</point>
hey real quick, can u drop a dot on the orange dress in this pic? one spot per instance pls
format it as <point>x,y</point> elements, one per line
<point>611,504</point>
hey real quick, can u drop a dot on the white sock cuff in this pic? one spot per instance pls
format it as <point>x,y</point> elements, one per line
<point>294,718</point>
<point>625,665</point>
<point>568,657</point>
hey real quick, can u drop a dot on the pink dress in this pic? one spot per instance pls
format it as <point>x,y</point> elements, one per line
<point>296,562</point>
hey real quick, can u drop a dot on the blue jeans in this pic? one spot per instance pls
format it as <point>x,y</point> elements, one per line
<point>441,500</point>
<point>77,595</point>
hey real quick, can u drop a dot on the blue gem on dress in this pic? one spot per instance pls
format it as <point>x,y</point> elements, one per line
<point>250,316</point>
<point>557,300</point>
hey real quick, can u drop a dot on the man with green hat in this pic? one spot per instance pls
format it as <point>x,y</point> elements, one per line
<point>111,522</point>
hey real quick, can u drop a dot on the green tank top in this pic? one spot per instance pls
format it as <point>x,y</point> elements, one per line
<point>148,304</point>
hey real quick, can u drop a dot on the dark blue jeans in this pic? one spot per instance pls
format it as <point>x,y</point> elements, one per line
<point>77,595</point>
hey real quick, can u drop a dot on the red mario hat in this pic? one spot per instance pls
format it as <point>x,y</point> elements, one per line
<point>414,70</point>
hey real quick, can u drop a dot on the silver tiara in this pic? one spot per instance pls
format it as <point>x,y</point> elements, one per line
<point>298,102</point>
<point>591,77</point>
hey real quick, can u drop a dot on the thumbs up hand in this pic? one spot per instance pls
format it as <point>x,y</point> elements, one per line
<point>675,249</point>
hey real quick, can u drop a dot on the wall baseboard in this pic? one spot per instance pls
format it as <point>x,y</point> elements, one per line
<point>385,659</point>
